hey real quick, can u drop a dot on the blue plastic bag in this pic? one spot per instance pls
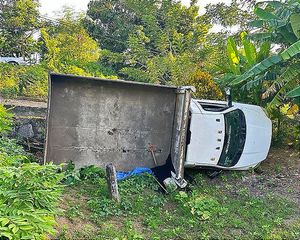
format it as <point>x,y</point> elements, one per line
<point>136,171</point>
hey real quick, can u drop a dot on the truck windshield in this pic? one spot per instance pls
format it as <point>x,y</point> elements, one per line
<point>235,137</point>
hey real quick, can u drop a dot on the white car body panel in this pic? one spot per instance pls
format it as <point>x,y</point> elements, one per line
<point>207,130</point>
<point>17,60</point>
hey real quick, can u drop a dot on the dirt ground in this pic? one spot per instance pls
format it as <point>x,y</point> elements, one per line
<point>280,172</point>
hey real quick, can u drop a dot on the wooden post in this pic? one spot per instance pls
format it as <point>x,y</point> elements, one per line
<point>111,178</point>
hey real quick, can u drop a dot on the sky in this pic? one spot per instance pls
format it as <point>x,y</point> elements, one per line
<point>49,7</point>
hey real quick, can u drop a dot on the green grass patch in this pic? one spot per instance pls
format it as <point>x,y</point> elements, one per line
<point>209,210</point>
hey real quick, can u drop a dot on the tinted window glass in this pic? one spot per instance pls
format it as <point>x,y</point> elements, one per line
<point>235,137</point>
<point>213,107</point>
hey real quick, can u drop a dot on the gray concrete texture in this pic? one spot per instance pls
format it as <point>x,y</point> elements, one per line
<point>95,122</point>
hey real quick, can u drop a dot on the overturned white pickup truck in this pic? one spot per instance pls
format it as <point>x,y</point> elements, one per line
<point>94,121</point>
<point>230,137</point>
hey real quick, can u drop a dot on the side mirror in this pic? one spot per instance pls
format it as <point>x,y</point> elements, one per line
<point>228,96</point>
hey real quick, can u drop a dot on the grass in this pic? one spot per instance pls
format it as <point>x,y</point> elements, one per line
<point>229,207</point>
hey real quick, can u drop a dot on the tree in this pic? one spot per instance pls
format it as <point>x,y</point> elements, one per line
<point>110,22</point>
<point>68,47</point>
<point>235,14</point>
<point>19,19</point>
<point>162,41</point>
<point>205,85</point>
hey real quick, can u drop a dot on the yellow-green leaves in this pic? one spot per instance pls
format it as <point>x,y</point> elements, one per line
<point>233,57</point>
<point>69,45</point>
<point>28,200</point>
<point>250,50</point>
<point>5,120</point>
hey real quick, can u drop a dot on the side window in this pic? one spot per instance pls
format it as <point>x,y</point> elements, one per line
<point>213,107</point>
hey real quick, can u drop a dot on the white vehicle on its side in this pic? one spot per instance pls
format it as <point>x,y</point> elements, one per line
<point>32,59</point>
<point>230,136</point>
<point>13,60</point>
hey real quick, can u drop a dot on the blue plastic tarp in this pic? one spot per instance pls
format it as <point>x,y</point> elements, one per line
<point>136,171</point>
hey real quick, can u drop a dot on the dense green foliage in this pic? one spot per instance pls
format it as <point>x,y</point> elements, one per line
<point>65,47</point>
<point>23,80</point>
<point>159,42</point>
<point>18,20</point>
<point>28,200</point>
<point>277,24</point>
<point>271,75</point>
<point>28,192</point>
<point>68,45</point>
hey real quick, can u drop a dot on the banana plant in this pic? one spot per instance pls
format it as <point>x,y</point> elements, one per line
<point>242,57</point>
<point>278,23</point>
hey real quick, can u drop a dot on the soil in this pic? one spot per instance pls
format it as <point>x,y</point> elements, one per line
<point>278,174</point>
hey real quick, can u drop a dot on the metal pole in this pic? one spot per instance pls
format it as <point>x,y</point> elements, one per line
<point>183,100</point>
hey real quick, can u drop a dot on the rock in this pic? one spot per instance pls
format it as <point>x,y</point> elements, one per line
<point>25,131</point>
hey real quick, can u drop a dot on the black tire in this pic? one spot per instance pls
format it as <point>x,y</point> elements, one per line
<point>13,63</point>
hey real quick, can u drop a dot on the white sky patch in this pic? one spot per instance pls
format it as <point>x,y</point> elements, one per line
<point>51,7</point>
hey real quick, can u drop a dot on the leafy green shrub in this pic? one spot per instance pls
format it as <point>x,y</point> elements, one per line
<point>33,82</point>
<point>91,173</point>
<point>9,75</point>
<point>28,200</point>
<point>5,120</point>
<point>19,80</point>
<point>11,154</point>
<point>202,206</point>
<point>28,192</point>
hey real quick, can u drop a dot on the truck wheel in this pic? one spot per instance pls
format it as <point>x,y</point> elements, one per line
<point>13,63</point>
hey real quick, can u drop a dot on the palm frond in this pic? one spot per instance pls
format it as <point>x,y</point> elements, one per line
<point>288,75</point>
<point>281,94</point>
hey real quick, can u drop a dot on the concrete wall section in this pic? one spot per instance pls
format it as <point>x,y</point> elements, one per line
<point>94,121</point>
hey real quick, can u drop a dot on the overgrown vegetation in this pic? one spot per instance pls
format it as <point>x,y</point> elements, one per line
<point>163,42</point>
<point>28,192</point>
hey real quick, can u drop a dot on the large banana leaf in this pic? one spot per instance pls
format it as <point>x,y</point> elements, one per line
<point>256,23</point>
<point>294,93</point>
<point>280,8</point>
<point>295,23</point>
<point>261,36</point>
<point>264,51</point>
<point>268,62</point>
<point>288,35</point>
<point>258,69</point>
<point>250,52</point>
<point>288,75</point>
<point>277,99</point>
<point>291,51</point>
<point>265,15</point>
<point>253,83</point>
